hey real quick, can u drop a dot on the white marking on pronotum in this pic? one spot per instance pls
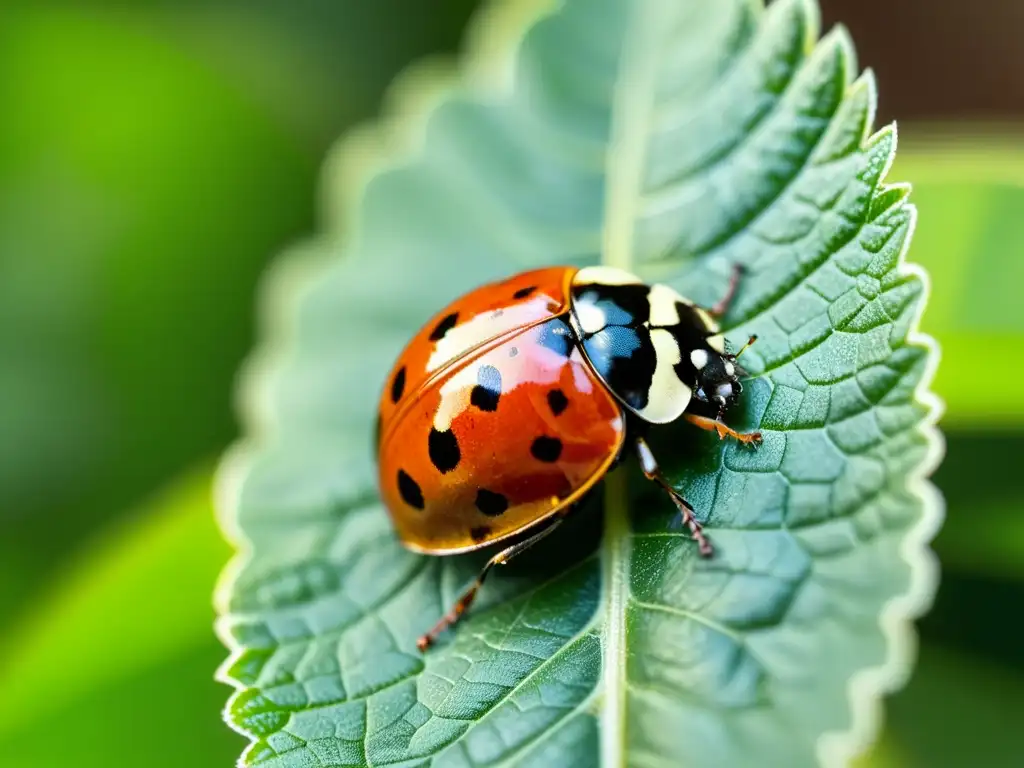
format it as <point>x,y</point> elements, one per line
<point>706,318</point>
<point>730,369</point>
<point>590,316</point>
<point>605,276</point>
<point>662,301</point>
<point>667,397</point>
<point>717,343</point>
<point>699,358</point>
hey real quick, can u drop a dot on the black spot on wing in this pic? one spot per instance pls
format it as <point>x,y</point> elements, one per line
<point>557,336</point>
<point>480,532</point>
<point>522,293</point>
<point>398,385</point>
<point>444,450</point>
<point>447,323</point>
<point>409,490</point>
<point>546,449</point>
<point>487,392</point>
<point>557,401</point>
<point>490,503</point>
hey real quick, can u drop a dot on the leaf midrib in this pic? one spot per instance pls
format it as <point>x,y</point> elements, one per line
<point>632,112</point>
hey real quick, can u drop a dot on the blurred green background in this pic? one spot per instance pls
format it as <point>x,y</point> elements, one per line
<point>155,156</point>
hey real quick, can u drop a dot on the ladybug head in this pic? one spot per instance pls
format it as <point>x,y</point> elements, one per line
<point>718,376</point>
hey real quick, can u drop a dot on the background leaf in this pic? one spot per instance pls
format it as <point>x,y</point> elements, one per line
<point>674,140</point>
<point>93,651</point>
<point>115,373</point>
<point>976,695</point>
<point>971,188</point>
<point>152,156</point>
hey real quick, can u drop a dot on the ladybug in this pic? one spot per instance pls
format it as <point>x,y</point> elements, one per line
<point>516,399</point>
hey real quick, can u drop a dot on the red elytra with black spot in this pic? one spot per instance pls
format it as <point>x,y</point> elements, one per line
<point>491,420</point>
<point>512,402</point>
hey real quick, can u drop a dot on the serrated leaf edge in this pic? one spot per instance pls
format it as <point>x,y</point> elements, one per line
<point>867,686</point>
<point>491,47</point>
<point>491,50</point>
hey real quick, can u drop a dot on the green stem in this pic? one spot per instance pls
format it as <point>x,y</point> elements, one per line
<point>632,112</point>
<point>615,554</point>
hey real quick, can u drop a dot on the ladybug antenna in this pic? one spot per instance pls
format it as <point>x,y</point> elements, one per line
<point>745,347</point>
<point>741,372</point>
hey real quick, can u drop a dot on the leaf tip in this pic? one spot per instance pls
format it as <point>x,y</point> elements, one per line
<point>487,62</point>
<point>838,43</point>
<point>807,14</point>
<point>865,90</point>
<point>868,686</point>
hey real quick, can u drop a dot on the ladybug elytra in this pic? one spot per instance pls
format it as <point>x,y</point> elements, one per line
<point>516,399</point>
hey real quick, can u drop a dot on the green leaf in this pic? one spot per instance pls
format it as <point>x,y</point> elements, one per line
<point>982,699</point>
<point>969,186</point>
<point>995,546</point>
<point>102,623</point>
<point>675,139</point>
<point>117,722</point>
<point>114,237</point>
<point>980,474</point>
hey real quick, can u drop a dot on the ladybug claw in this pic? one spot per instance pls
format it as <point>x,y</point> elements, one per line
<point>697,534</point>
<point>704,547</point>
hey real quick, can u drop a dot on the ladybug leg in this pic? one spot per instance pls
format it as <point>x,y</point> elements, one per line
<point>466,600</point>
<point>730,293</point>
<point>714,425</point>
<point>650,467</point>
